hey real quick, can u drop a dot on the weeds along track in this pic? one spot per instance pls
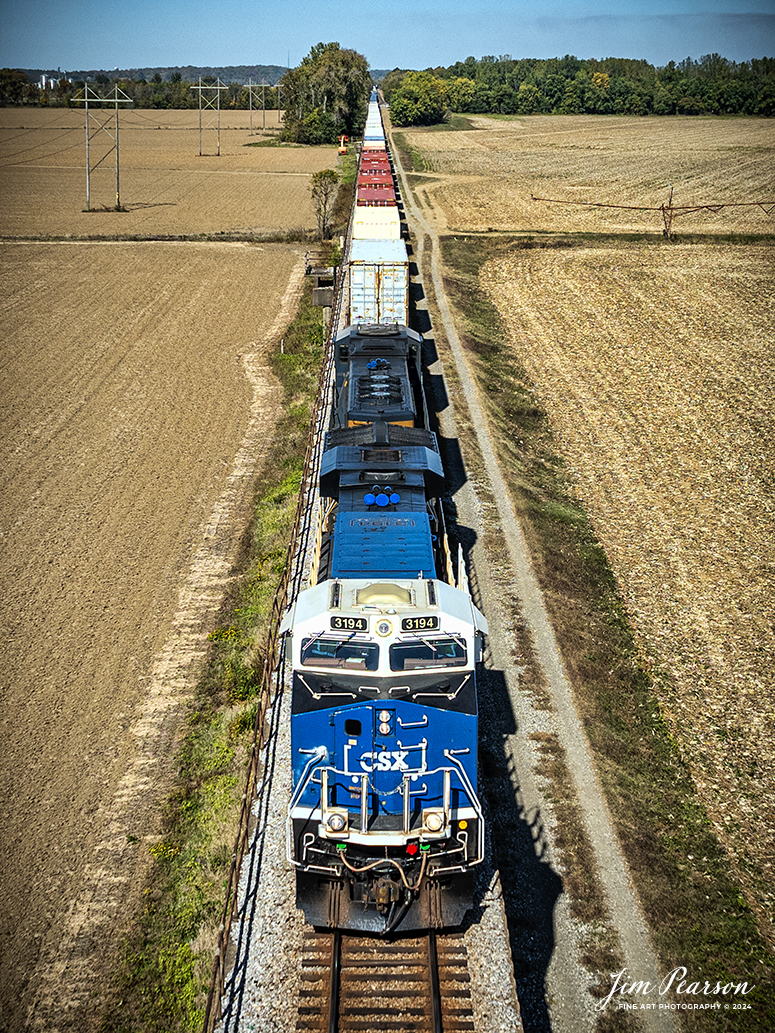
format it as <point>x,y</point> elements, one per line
<point>416,984</point>
<point>241,888</point>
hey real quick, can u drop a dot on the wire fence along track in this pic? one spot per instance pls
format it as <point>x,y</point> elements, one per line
<point>353,984</point>
<point>292,581</point>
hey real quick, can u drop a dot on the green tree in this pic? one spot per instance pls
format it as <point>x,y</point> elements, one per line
<point>528,99</point>
<point>16,88</point>
<point>325,96</point>
<point>460,93</point>
<point>391,82</point>
<point>324,187</point>
<point>420,100</point>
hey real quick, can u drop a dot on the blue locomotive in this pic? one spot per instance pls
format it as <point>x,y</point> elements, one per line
<point>385,825</point>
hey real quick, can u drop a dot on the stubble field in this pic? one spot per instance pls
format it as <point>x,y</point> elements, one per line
<point>166,186</point>
<point>656,364</point>
<point>485,178</point>
<point>136,408</point>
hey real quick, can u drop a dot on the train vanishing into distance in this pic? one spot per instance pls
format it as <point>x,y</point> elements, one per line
<point>385,826</point>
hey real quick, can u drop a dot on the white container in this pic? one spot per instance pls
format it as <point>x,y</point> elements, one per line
<point>379,282</point>
<point>379,223</point>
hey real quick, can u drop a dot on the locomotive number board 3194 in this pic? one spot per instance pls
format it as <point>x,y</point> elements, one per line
<point>419,624</point>
<point>349,624</point>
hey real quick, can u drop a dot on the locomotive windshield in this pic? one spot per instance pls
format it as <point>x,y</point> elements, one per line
<point>331,652</point>
<point>422,653</point>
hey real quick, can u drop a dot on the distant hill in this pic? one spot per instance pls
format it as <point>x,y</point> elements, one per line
<point>188,73</point>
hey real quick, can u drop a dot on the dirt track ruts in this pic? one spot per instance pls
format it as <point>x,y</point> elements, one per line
<point>565,981</point>
<point>135,414</point>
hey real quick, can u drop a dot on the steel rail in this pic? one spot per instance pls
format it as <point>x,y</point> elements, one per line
<point>353,982</point>
<point>433,965</point>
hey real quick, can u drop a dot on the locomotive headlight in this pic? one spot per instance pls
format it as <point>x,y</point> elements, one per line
<point>337,822</point>
<point>433,821</point>
<point>385,722</point>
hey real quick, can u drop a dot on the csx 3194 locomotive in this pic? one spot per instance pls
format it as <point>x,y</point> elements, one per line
<point>385,824</point>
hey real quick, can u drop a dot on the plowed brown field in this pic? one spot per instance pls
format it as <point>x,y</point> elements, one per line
<point>165,185</point>
<point>484,178</point>
<point>656,364</point>
<point>136,407</point>
<point>657,367</point>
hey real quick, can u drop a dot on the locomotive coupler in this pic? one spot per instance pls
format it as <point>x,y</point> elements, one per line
<point>386,892</point>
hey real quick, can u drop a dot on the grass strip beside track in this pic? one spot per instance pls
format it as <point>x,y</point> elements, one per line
<point>694,907</point>
<point>164,978</point>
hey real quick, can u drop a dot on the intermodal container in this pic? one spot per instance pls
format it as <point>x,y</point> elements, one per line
<point>376,223</point>
<point>376,194</point>
<point>379,282</point>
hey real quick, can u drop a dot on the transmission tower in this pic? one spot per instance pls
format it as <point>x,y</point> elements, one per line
<point>210,110</point>
<point>94,125</point>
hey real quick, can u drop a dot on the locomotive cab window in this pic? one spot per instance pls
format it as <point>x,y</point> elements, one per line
<point>421,654</point>
<point>331,652</point>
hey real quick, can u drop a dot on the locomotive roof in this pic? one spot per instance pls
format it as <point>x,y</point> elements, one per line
<point>393,544</point>
<point>346,596</point>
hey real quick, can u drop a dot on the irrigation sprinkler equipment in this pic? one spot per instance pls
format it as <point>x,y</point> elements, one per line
<point>668,211</point>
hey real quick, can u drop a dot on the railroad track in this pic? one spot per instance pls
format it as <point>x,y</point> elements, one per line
<point>417,984</point>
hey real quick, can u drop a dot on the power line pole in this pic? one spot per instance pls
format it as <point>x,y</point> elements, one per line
<point>250,86</point>
<point>88,96</point>
<point>210,100</point>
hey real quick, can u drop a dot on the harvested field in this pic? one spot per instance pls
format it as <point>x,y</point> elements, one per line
<point>656,365</point>
<point>166,187</point>
<point>136,406</point>
<point>484,178</point>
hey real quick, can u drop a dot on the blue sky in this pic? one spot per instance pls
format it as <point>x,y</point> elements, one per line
<point>83,34</point>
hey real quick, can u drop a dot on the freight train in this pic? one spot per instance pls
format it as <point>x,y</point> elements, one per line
<point>385,827</point>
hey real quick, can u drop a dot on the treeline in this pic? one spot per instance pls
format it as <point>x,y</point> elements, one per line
<point>176,92</point>
<point>571,86</point>
<point>191,73</point>
<point>323,98</point>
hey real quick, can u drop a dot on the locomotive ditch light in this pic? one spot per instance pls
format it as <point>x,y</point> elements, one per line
<point>336,822</point>
<point>433,822</point>
<point>386,722</point>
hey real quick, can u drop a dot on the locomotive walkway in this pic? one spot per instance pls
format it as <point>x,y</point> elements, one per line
<point>565,983</point>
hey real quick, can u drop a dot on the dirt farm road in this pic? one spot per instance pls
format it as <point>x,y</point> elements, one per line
<point>565,980</point>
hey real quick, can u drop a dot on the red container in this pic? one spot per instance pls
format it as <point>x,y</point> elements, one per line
<point>377,194</point>
<point>367,176</point>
